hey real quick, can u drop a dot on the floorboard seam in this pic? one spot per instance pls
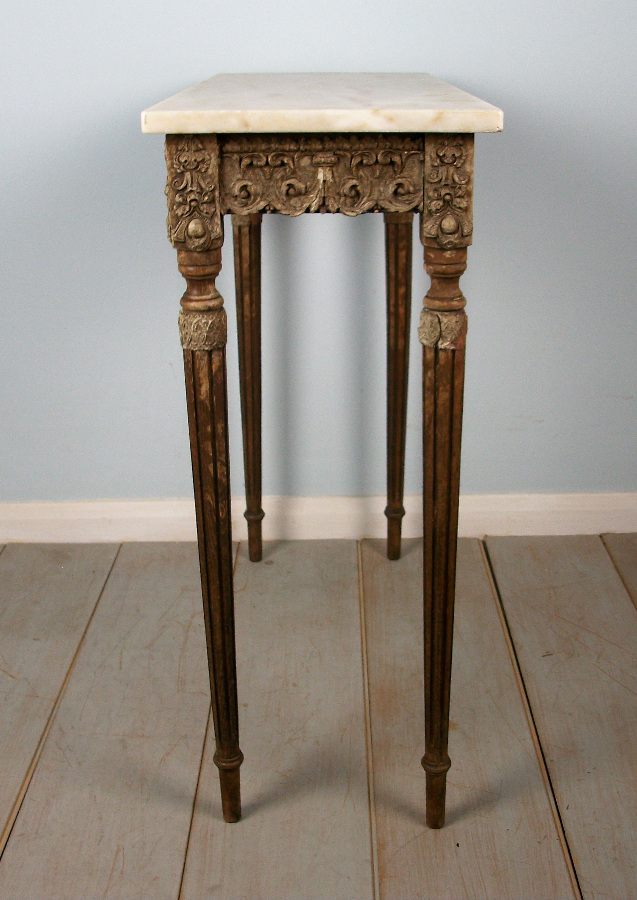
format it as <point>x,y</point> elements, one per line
<point>15,810</point>
<point>616,567</point>
<point>194,802</point>
<point>201,759</point>
<point>368,731</point>
<point>526,703</point>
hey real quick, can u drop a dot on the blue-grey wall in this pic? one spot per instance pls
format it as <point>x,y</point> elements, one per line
<point>92,401</point>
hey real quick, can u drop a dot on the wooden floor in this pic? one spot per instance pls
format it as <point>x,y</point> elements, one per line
<point>108,787</point>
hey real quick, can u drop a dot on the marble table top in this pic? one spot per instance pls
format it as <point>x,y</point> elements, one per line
<point>333,102</point>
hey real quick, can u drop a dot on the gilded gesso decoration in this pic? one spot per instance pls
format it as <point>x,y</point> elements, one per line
<point>443,329</point>
<point>194,219</point>
<point>351,174</point>
<point>203,331</point>
<point>448,210</point>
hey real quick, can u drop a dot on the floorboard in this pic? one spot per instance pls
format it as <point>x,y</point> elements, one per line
<point>108,810</point>
<point>105,703</point>
<point>623,551</point>
<point>575,634</point>
<point>47,595</point>
<point>305,831</point>
<point>500,839</point>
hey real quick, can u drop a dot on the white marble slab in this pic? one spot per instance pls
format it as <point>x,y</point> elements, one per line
<point>307,102</point>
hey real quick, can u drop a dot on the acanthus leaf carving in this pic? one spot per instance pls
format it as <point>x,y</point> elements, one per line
<point>447,216</point>
<point>278,181</point>
<point>192,189</point>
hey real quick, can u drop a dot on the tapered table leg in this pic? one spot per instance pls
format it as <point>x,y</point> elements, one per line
<point>443,375</point>
<point>247,267</point>
<point>446,232</point>
<point>398,241</point>
<point>203,335</point>
<point>196,230</point>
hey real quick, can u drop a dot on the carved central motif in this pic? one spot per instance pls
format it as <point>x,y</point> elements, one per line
<point>351,174</point>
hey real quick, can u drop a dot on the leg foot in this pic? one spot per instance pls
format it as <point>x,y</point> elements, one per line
<point>436,780</point>
<point>230,783</point>
<point>394,527</point>
<point>255,540</point>
<point>436,792</point>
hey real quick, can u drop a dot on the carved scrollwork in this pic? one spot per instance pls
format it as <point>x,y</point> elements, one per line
<point>192,189</point>
<point>279,181</point>
<point>448,210</point>
<point>351,174</point>
<point>389,180</point>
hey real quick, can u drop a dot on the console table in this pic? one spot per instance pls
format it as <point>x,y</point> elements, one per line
<point>291,144</point>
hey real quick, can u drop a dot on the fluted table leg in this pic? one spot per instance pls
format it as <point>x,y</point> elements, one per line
<point>196,230</point>
<point>203,336</point>
<point>443,376</point>
<point>446,232</point>
<point>247,267</point>
<point>398,241</point>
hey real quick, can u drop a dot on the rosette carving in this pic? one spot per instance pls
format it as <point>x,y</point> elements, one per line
<point>447,216</point>
<point>192,189</point>
<point>351,174</point>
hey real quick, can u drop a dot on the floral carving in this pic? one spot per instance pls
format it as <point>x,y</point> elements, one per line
<point>448,211</point>
<point>194,219</point>
<point>350,174</point>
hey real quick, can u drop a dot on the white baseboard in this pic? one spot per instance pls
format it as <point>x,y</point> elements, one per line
<point>306,518</point>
